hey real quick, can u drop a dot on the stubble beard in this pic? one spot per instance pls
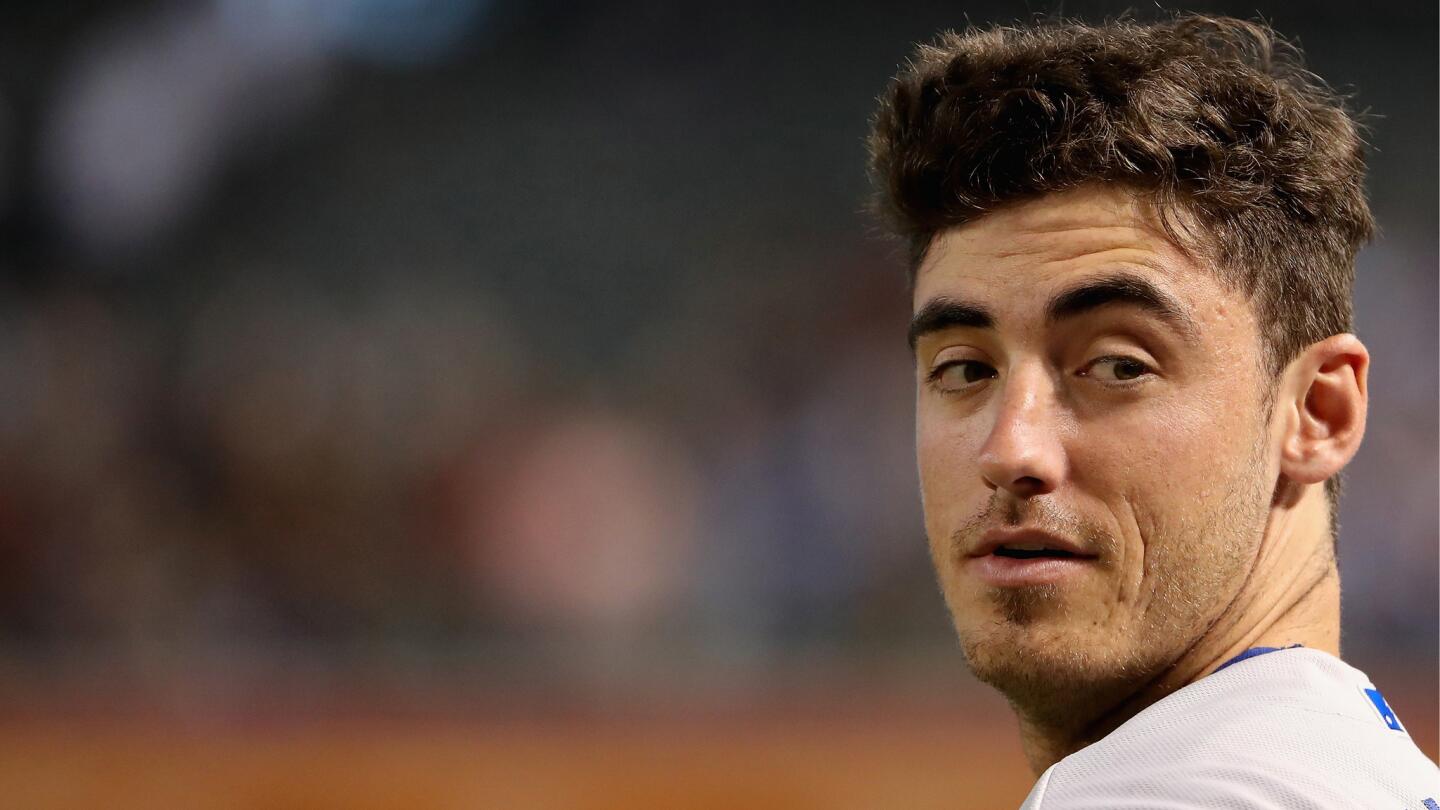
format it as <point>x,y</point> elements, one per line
<point>1054,671</point>
<point>1022,606</point>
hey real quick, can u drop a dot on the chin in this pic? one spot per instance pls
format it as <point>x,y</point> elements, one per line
<point>1043,658</point>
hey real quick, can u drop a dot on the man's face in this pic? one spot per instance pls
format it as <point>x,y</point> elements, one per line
<point>1094,455</point>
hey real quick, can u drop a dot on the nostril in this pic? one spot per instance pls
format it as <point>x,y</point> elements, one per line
<point>1029,485</point>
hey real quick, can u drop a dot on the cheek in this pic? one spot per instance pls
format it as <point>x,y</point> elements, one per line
<point>946,455</point>
<point>1170,459</point>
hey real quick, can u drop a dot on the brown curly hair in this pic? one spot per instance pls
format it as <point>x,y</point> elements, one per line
<point>1213,117</point>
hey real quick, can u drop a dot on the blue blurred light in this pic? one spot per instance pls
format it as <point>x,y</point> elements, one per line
<point>400,32</point>
<point>407,31</point>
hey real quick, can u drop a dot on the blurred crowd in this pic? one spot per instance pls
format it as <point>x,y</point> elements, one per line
<point>522,328</point>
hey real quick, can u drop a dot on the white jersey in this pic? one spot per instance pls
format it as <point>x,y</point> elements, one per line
<point>1288,729</point>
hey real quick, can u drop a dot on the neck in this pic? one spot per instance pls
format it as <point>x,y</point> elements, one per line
<point>1291,596</point>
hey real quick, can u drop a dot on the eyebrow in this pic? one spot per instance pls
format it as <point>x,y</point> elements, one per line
<point>1122,288</point>
<point>944,312</point>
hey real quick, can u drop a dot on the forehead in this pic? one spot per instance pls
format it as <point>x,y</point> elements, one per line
<point>1014,258</point>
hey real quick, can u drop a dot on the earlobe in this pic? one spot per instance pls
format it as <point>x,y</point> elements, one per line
<point>1330,403</point>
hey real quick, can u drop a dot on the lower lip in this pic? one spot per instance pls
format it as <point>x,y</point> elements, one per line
<point>1012,572</point>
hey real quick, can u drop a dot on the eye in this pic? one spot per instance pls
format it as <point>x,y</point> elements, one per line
<point>1116,369</point>
<point>958,375</point>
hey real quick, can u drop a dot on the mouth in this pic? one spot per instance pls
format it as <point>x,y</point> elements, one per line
<point>1009,558</point>
<point>1023,553</point>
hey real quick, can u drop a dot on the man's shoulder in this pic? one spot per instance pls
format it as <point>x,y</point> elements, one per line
<point>1293,728</point>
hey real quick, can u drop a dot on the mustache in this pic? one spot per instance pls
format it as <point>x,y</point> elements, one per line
<point>1004,510</point>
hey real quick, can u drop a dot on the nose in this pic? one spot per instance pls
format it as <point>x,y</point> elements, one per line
<point>1023,453</point>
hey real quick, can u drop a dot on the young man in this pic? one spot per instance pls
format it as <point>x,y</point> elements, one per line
<point>1133,252</point>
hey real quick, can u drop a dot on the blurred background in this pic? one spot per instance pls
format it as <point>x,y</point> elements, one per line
<point>478,403</point>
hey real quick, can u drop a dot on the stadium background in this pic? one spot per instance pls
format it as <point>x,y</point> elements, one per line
<point>481,403</point>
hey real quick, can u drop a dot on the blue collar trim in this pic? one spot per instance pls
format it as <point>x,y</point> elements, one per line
<point>1252,652</point>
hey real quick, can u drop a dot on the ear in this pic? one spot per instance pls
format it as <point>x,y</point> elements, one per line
<point>1328,400</point>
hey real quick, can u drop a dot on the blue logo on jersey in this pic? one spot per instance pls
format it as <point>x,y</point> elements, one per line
<point>1386,713</point>
<point>1430,804</point>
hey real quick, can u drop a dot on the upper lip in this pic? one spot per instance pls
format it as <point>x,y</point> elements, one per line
<point>996,538</point>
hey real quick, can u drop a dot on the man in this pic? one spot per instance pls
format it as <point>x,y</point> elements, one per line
<point>1132,250</point>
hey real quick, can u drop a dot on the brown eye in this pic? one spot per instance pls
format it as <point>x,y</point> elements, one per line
<point>1117,369</point>
<point>961,374</point>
